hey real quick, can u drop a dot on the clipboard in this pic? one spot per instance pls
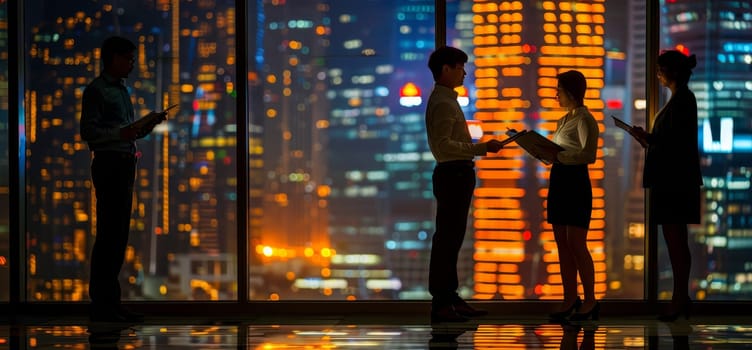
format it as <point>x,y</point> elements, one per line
<point>537,145</point>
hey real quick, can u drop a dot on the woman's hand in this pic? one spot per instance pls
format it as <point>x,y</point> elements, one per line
<point>640,135</point>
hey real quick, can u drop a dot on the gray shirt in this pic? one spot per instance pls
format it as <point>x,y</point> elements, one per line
<point>448,136</point>
<point>106,107</point>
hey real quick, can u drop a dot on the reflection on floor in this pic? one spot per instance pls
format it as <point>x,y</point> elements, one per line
<point>332,333</point>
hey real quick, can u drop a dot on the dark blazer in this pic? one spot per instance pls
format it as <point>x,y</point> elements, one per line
<point>673,159</point>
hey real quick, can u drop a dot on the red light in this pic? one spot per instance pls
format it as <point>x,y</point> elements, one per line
<point>683,49</point>
<point>614,104</point>
<point>538,289</point>
<point>527,235</point>
<point>409,90</point>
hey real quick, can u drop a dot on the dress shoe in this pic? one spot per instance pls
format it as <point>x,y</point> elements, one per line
<point>593,313</point>
<point>561,315</point>
<point>462,308</point>
<point>446,313</point>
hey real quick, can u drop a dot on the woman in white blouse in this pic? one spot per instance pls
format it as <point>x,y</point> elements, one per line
<point>570,197</point>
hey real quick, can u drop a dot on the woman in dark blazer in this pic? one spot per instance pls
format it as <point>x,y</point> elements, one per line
<point>672,172</point>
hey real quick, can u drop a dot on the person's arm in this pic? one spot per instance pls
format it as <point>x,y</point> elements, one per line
<point>93,127</point>
<point>680,136</point>
<point>154,119</point>
<point>683,122</point>
<point>443,124</point>
<point>587,130</point>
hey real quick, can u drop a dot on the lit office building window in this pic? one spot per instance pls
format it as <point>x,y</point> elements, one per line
<point>719,34</point>
<point>183,224</point>
<point>515,82</point>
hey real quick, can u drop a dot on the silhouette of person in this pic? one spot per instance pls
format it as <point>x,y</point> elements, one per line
<point>570,197</point>
<point>105,335</point>
<point>672,172</point>
<point>445,336</point>
<point>570,333</point>
<point>680,332</point>
<point>105,117</point>
<point>453,182</point>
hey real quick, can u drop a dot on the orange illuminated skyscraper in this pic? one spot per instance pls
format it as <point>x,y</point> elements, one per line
<point>519,48</point>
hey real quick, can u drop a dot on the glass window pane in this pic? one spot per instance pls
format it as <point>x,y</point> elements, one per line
<point>341,198</point>
<point>4,174</point>
<point>340,172</point>
<point>182,243</point>
<point>517,49</point>
<point>718,34</point>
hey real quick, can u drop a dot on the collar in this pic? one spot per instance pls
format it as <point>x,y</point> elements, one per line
<point>577,111</point>
<point>112,80</point>
<point>443,89</point>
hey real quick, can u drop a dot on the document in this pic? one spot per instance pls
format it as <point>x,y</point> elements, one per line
<point>628,128</point>
<point>155,118</point>
<point>622,124</point>
<point>511,138</point>
<point>536,145</point>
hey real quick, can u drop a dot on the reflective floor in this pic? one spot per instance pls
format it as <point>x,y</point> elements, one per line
<point>337,333</point>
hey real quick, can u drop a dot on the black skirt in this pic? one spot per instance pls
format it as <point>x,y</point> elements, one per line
<point>673,206</point>
<point>570,196</point>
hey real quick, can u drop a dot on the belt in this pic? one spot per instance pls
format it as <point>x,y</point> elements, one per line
<point>114,154</point>
<point>457,163</point>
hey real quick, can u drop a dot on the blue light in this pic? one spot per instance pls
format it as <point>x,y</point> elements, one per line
<point>743,144</point>
<point>391,245</point>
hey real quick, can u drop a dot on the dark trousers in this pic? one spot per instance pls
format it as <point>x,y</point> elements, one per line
<point>113,174</point>
<point>453,185</point>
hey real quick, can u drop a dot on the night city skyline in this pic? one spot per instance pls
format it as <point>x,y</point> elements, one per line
<point>340,202</point>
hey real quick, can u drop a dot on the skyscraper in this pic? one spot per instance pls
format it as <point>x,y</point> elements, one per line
<point>721,83</point>
<point>519,49</point>
<point>289,218</point>
<point>185,190</point>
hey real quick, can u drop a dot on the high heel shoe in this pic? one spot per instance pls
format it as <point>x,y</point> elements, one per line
<point>593,313</point>
<point>673,315</point>
<point>560,315</point>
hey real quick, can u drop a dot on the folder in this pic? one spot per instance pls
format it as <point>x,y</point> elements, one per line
<point>535,144</point>
<point>511,138</point>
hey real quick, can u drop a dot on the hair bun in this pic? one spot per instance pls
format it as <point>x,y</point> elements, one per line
<point>691,61</point>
